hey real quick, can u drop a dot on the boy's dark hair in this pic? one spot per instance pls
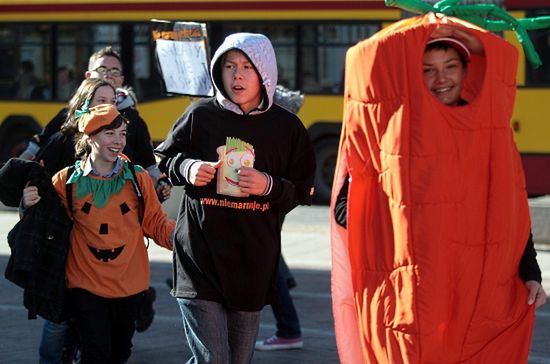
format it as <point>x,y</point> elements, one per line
<point>442,46</point>
<point>104,52</point>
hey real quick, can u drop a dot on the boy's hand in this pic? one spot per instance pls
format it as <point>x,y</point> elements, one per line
<point>252,181</point>
<point>537,295</point>
<point>201,173</point>
<point>472,42</point>
<point>30,196</point>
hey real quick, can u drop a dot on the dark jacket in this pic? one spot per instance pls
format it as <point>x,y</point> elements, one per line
<point>39,242</point>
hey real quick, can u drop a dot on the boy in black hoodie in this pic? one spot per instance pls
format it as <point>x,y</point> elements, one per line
<point>244,163</point>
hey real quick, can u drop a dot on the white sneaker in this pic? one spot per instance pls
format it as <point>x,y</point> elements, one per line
<point>279,343</point>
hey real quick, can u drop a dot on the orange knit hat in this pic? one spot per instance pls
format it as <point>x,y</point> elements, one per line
<point>100,115</point>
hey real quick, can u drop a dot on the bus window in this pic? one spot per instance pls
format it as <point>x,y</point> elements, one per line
<point>26,48</point>
<point>72,59</point>
<point>541,41</point>
<point>8,63</point>
<point>104,35</point>
<point>323,54</point>
<point>75,44</point>
<point>146,81</point>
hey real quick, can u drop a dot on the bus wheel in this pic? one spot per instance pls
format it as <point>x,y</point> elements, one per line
<point>326,152</point>
<point>14,141</point>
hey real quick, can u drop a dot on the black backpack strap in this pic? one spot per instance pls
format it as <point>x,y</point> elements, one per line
<point>139,194</point>
<point>69,191</point>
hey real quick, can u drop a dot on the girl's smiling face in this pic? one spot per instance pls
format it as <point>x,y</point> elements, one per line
<point>107,145</point>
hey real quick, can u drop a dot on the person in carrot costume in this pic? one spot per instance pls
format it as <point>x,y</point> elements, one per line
<point>433,265</point>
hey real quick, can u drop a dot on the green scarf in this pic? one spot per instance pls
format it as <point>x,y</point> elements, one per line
<point>101,189</point>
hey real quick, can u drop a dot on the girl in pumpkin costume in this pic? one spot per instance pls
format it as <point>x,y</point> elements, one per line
<point>113,205</point>
<point>437,214</point>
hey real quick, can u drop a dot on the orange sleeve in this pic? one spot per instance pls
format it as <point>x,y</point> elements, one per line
<point>156,223</point>
<point>59,182</point>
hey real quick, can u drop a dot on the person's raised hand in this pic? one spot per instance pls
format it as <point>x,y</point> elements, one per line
<point>472,42</point>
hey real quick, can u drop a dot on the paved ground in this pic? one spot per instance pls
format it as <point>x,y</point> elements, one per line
<point>307,251</point>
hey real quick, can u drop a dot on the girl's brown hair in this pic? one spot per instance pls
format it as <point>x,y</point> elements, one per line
<point>85,91</point>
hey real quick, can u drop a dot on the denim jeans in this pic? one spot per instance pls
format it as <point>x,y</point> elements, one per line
<point>217,335</point>
<point>284,271</point>
<point>52,342</point>
<point>288,324</point>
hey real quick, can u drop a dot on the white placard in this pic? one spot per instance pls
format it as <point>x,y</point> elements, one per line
<point>184,67</point>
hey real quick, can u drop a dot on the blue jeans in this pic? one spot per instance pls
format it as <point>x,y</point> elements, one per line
<point>288,324</point>
<point>217,335</point>
<point>52,342</point>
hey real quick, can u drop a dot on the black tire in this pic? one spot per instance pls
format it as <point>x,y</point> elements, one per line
<point>14,141</point>
<point>326,153</point>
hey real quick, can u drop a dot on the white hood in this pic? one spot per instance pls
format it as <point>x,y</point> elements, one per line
<point>125,98</point>
<point>259,50</point>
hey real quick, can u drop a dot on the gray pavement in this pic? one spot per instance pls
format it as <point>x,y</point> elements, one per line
<point>306,248</point>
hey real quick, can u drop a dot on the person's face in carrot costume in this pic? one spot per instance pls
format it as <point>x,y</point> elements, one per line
<point>444,74</point>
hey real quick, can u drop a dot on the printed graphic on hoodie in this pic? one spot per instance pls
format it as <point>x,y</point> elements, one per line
<point>235,154</point>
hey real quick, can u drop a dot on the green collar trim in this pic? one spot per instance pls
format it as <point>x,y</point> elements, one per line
<point>100,188</point>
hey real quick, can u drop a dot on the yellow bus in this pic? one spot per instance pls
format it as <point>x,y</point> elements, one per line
<point>49,42</point>
<point>531,121</point>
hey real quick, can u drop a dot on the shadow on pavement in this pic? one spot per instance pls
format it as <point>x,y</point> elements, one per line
<point>164,341</point>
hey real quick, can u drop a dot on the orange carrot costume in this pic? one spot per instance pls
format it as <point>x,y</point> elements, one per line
<point>427,271</point>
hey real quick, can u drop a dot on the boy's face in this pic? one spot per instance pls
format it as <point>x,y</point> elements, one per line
<point>444,75</point>
<point>109,69</point>
<point>241,81</point>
